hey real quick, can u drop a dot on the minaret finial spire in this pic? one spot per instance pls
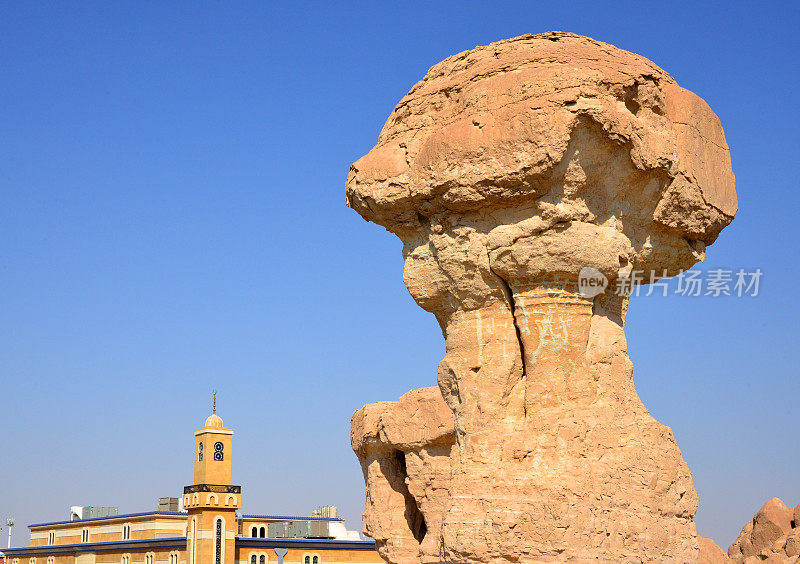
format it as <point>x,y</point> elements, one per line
<point>214,395</point>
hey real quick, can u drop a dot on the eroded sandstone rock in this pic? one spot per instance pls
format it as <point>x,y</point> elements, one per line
<point>505,171</point>
<point>711,553</point>
<point>405,450</point>
<point>773,535</point>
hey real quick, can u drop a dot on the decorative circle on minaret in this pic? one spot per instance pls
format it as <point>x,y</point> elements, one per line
<point>218,451</point>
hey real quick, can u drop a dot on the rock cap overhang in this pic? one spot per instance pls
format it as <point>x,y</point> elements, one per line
<point>488,128</point>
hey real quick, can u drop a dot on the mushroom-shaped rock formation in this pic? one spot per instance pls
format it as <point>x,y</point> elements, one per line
<point>505,171</point>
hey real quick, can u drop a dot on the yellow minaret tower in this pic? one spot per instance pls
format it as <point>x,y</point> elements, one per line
<point>212,501</point>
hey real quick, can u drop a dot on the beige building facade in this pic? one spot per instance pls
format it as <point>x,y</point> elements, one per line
<point>210,530</point>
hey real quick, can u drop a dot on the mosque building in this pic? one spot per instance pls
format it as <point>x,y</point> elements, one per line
<point>209,529</point>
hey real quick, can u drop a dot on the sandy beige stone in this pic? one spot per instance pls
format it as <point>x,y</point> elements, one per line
<point>711,553</point>
<point>405,450</point>
<point>765,534</point>
<point>792,545</point>
<point>505,171</point>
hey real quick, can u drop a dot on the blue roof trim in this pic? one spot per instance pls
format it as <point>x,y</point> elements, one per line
<point>330,544</point>
<point>109,518</point>
<point>98,546</point>
<point>178,542</point>
<point>291,518</point>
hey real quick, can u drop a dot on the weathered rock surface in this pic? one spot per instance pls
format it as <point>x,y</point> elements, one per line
<point>505,171</point>
<point>773,535</point>
<point>711,553</point>
<point>405,452</point>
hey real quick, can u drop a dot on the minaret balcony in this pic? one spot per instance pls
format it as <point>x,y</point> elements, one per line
<point>211,496</point>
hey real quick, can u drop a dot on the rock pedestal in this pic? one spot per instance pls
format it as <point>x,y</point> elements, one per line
<point>507,172</point>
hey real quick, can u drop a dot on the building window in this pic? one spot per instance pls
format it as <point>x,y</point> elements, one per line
<point>254,534</point>
<point>307,559</point>
<point>252,559</point>
<point>218,446</point>
<point>85,535</point>
<point>174,558</point>
<point>51,560</point>
<point>315,560</point>
<point>193,542</point>
<point>218,543</point>
<point>149,558</point>
<point>262,532</point>
<point>262,559</point>
<point>126,559</point>
<point>200,452</point>
<point>51,537</point>
<point>32,560</point>
<point>126,532</point>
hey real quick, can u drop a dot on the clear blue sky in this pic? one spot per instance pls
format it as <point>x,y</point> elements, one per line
<point>173,221</point>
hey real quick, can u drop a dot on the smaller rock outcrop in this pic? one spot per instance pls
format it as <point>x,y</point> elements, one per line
<point>773,535</point>
<point>711,553</point>
<point>405,450</point>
